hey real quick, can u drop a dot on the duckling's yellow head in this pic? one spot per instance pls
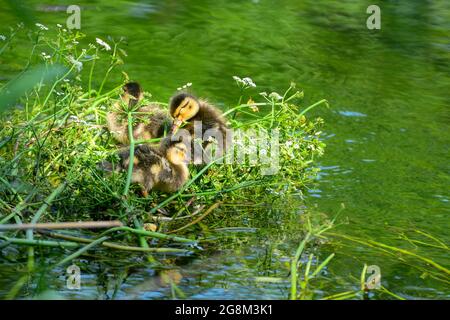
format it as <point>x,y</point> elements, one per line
<point>132,91</point>
<point>175,150</point>
<point>183,107</point>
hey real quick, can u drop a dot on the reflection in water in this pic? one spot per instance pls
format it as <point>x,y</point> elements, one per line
<point>387,131</point>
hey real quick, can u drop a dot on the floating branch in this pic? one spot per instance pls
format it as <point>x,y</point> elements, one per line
<point>117,246</point>
<point>76,242</point>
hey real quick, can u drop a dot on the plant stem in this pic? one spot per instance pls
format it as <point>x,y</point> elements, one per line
<point>313,106</point>
<point>168,200</point>
<point>116,246</point>
<point>149,234</point>
<point>294,263</point>
<point>36,218</point>
<point>81,251</point>
<point>208,211</point>
<point>91,72</point>
<point>131,158</point>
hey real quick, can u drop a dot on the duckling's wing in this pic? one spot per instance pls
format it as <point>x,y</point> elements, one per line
<point>167,172</point>
<point>210,116</point>
<point>147,155</point>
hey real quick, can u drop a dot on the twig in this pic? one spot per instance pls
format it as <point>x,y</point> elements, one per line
<point>113,245</point>
<point>210,209</point>
<point>157,219</point>
<point>23,204</point>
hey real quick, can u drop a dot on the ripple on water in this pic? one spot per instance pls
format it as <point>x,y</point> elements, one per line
<point>315,193</point>
<point>352,114</point>
<point>442,198</point>
<point>141,10</point>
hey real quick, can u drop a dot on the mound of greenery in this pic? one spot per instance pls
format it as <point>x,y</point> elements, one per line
<point>55,133</point>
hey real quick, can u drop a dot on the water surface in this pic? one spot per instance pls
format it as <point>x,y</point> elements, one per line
<point>387,131</point>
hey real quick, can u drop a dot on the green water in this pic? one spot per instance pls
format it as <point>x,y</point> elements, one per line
<point>387,131</point>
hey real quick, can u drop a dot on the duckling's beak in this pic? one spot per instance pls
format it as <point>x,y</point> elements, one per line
<point>176,124</point>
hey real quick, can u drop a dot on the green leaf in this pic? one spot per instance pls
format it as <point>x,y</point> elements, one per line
<point>16,88</point>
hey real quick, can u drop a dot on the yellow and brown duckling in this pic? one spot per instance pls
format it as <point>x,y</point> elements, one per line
<point>186,108</point>
<point>161,168</point>
<point>150,120</point>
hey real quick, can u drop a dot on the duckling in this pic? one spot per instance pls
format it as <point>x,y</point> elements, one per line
<point>186,108</point>
<point>163,168</point>
<point>150,120</point>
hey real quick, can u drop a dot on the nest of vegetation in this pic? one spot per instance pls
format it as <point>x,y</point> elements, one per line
<point>53,137</point>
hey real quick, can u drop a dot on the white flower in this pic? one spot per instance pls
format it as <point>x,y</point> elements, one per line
<point>58,25</point>
<point>296,146</point>
<point>77,64</point>
<point>41,26</point>
<point>249,82</point>
<point>263,152</point>
<point>264,94</point>
<point>187,85</point>
<point>103,44</point>
<point>2,37</point>
<point>74,118</point>
<point>275,96</point>
<point>288,143</point>
<point>245,82</point>
<point>45,56</point>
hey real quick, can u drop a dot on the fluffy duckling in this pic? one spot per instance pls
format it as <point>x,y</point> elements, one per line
<point>186,108</point>
<point>150,120</point>
<point>162,168</point>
